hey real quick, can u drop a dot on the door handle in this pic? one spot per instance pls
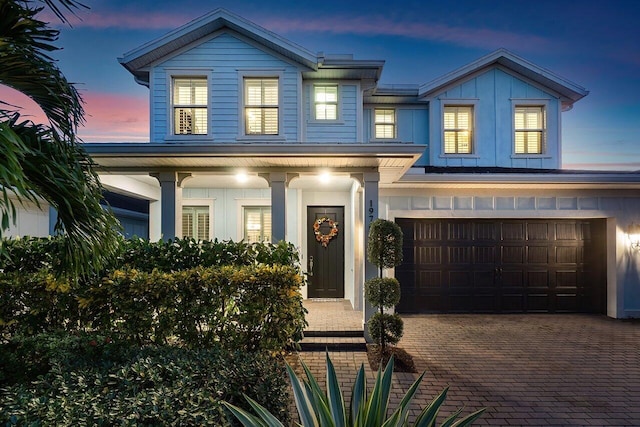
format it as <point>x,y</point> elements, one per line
<point>310,272</point>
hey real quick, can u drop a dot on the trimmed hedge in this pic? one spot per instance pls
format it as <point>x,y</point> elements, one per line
<point>249,301</point>
<point>90,380</point>
<point>31,254</point>
<point>253,308</point>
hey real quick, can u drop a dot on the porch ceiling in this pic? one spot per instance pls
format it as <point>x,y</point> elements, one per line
<point>392,160</point>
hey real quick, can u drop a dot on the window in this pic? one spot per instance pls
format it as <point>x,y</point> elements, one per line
<point>385,123</point>
<point>261,106</point>
<point>529,125</point>
<point>195,222</point>
<point>190,105</point>
<point>257,224</point>
<point>458,129</point>
<point>325,101</point>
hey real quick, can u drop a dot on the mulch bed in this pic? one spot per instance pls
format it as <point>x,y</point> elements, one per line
<point>403,361</point>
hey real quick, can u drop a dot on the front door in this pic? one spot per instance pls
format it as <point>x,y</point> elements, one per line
<point>325,249</point>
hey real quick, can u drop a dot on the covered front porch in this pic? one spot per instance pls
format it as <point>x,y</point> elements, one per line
<point>301,191</point>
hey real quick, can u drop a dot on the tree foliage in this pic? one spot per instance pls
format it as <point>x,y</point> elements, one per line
<point>44,162</point>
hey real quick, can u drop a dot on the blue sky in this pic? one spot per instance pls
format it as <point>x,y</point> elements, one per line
<point>593,43</point>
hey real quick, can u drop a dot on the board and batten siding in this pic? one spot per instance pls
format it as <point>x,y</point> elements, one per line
<point>223,59</point>
<point>343,130</point>
<point>493,95</point>
<point>412,127</point>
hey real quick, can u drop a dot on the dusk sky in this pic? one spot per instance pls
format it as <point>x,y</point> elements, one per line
<point>593,43</point>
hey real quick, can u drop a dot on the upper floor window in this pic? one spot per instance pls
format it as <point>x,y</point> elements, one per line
<point>325,101</point>
<point>529,125</point>
<point>195,222</point>
<point>257,224</point>
<point>261,106</point>
<point>385,123</point>
<point>190,106</point>
<point>458,129</point>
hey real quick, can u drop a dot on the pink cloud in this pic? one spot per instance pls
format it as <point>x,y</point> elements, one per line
<point>115,118</point>
<point>485,38</point>
<point>108,117</point>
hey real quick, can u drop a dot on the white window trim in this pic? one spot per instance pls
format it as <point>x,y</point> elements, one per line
<point>172,73</point>
<point>208,203</point>
<point>264,74</point>
<point>461,102</point>
<point>395,124</point>
<point>312,104</point>
<point>529,102</point>
<point>240,205</point>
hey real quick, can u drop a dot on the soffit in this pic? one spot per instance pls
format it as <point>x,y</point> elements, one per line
<point>391,160</point>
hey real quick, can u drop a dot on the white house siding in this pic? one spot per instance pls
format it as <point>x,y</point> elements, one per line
<point>223,59</point>
<point>493,94</point>
<point>345,129</point>
<point>618,208</point>
<point>30,221</point>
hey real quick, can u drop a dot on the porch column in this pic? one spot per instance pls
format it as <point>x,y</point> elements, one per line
<point>168,191</point>
<point>371,180</point>
<point>278,183</point>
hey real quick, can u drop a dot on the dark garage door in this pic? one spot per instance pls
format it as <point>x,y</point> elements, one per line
<point>510,266</point>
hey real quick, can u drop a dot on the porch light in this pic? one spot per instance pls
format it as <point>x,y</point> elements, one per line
<point>241,177</point>
<point>634,236</point>
<point>324,177</point>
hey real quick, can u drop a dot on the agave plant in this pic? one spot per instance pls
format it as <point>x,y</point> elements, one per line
<point>319,409</point>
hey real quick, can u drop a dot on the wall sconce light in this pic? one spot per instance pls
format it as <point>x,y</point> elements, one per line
<point>633,231</point>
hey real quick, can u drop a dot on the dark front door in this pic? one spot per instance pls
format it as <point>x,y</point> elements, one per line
<point>325,249</point>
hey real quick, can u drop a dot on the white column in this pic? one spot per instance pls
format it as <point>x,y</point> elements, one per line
<point>371,180</point>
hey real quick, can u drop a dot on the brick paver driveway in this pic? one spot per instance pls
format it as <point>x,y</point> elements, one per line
<point>526,369</point>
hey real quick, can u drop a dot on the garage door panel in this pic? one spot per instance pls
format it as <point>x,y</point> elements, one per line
<point>537,254</point>
<point>498,265</point>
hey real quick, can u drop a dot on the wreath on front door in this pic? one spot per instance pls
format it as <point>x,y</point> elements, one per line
<point>325,238</point>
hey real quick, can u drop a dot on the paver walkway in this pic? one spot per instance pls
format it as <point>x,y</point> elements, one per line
<point>538,370</point>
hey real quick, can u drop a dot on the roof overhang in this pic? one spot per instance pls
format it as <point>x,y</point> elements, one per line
<point>562,180</point>
<point>392,160</point>
<point>568,91</point>
<point>138,60</point>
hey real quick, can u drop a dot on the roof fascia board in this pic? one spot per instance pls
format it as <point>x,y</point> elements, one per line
<point>226,19</point>
<point>505,58</point>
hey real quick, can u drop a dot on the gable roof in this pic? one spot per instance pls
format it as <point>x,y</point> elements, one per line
<point>138,60</point>
<point>568,91</point>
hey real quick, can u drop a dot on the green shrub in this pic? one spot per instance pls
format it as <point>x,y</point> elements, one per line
<point>256,307</point>
<point>384,250</point>
<point>90,383</point>
<point>391,325</point>
<point>248,298</point>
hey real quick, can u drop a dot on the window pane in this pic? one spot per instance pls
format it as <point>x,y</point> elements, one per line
<point>257,224</point>
<point>190,121</point>
<point>385,131</point>
<point>195,222</point>
<point>190,91</point>
<point>326,112</point>
<point>529,130</point>
<point>458,129</point>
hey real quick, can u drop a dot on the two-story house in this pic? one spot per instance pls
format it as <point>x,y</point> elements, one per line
<point>253,137</point>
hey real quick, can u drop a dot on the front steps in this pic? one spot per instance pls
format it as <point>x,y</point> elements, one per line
<point>333,341</point>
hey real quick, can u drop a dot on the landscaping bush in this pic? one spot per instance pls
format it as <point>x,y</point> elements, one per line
<point>90,380</point>
<point>252,308</point>
<point>253,302</point>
